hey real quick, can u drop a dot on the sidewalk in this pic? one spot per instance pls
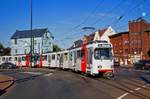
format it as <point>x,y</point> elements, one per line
<point>5,83</point>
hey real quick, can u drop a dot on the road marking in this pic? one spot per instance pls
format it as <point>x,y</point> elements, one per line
<point>131,91</point>
<point>137,89</point>
<point>34,73</point>
<point>125,94</point>
<point>144,86</point>
<point>48,74</point>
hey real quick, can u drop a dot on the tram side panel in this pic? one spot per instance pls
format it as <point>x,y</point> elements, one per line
<point>65,60</point>
<point>78,58</point>
<point>53,60</point>
<point>45,60</point>
<point>71,60</point>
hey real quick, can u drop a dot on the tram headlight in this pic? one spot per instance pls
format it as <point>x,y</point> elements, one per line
<point>99,66</point>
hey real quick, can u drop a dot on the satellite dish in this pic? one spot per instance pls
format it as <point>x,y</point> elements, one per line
<point>144,14</point>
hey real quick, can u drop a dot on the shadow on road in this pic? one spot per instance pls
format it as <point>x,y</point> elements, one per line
<point>2,91</point>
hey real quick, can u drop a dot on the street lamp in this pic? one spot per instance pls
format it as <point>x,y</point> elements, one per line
<point>32,37</point>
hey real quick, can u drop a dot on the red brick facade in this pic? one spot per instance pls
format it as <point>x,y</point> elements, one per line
<point>120,43</point>
<point>132,46</point>
<point>146,45</point>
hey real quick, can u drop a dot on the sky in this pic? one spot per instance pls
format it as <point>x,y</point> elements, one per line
<point>66,18</point>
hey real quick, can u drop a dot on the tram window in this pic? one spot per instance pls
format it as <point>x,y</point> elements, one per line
<point>102,53</point>
<point>3,59</point>
<point>82,53</point>
<point>15,58</point>
<point>10,58</point>
<point>49,58</point>
<point>58,56</point>
<point>89,56</point>
<point>70,56</point>
<point>45,58</point>
<point>75,56</point>
<point>78,54</point>
<point>23,58</point>
<point>53,57</point>
<point>65,57</point>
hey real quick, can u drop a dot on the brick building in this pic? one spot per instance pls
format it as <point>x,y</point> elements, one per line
<point>120,43</point>
<point>137,30</point>
<point>146,43</point>
<point>129,47</point>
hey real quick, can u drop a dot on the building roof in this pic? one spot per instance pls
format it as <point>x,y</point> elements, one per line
<point>101,32</point>
<point>118,34</point>
<point>27,33</point>
<point>140,19</point>
<point>90,37</point>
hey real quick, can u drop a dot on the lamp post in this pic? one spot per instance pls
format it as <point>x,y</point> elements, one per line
<point>32,37</point>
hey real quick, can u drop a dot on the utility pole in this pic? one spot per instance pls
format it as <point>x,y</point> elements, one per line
<point>32,38</point>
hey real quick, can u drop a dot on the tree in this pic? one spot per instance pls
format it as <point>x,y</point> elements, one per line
<point>7,51</point>
<point>1,49</point>
<point>4,51</point>
<point>56,48</point>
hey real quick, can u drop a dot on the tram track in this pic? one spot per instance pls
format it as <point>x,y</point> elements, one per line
<point>120,85</point>
<point>124,88</point>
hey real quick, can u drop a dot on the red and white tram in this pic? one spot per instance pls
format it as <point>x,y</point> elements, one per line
<point>93,58</point>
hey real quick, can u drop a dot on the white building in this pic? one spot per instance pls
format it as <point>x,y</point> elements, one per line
<point>21,41</point>
<point>104,34</point>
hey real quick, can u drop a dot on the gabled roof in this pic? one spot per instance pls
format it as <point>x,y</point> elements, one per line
<point>27,33</point>
<point>101,32</point>
<point>90,37</point>
<point>76,44</point>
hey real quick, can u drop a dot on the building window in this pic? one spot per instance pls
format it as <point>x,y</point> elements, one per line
<point>126,42</point>
<point>35,42</point>
<point>140,49</point>
<point>16,51</point>
<point>15,41</point>
<point>126,51</point>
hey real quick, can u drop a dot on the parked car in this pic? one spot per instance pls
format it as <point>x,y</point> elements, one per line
<point>142,64</point>
<point>8,66</point>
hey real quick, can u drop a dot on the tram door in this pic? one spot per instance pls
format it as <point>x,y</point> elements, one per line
<point>84,60</point>
<point>89,58</point>
<point>27,60</point>
<point>49,60</point>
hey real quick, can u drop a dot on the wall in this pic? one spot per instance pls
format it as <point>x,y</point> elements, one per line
<point>24,44</point>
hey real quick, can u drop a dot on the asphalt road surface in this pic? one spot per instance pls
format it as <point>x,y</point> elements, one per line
<point>58,84</point>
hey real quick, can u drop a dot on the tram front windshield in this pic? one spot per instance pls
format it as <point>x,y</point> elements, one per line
<point>103,53</point>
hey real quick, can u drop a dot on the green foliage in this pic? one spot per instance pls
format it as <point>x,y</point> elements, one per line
<point>56,48</point>
<point>4,51</point>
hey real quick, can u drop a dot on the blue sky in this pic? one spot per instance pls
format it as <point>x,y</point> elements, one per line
<point>62,16</point>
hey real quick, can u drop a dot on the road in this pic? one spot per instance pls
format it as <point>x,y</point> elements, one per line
<point>58,84</point>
